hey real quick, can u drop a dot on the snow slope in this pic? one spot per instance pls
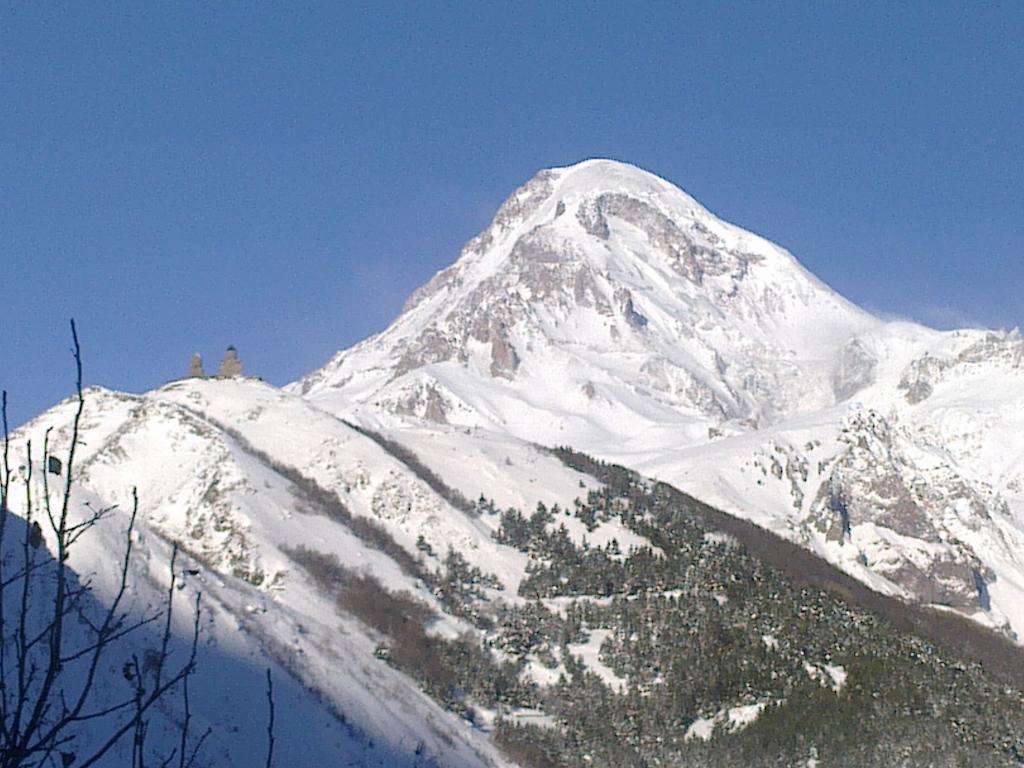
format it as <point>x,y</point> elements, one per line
<point>219,491</point>
<point>605,309</point>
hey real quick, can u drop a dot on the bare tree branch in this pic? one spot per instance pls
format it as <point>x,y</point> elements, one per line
<point>270,723</point>
<point>41,707</point>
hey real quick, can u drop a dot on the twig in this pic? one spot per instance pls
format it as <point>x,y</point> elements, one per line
<point>270,723</point>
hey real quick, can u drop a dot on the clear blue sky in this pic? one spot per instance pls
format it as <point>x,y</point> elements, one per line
<point>180,177</point>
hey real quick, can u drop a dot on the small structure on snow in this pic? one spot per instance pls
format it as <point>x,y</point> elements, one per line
<point>195,367</point>
<point>230,366</point>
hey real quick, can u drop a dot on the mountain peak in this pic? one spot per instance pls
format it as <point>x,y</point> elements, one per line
<point>615,217</point>
<point>599,175</point>
<point>603,272</point>
<point>552,191</point>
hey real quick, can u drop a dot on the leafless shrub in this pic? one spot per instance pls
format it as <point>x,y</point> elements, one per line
<point>521,746</point>
<point>398,616</point>
<point>58,643</point>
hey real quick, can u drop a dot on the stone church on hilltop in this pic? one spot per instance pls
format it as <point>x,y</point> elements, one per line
<point>230,366</point>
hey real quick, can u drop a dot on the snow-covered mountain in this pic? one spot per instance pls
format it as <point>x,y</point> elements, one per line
<point>618,624</point>
<point>431,584</point>
<point>605,309</point>
<point>602,299</point>
<point>233,470</point>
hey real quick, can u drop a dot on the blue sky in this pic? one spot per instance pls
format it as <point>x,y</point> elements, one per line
<point>180,177</point>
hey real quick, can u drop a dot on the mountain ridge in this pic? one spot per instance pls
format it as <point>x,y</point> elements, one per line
<point>548,268</point>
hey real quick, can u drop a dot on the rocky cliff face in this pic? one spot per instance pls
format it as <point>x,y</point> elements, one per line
<point>907,514</point>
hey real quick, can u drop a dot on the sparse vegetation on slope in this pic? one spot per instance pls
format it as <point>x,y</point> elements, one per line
<point>716,645</point>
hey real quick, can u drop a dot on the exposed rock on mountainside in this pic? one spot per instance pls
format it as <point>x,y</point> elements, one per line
<point>903,518</point>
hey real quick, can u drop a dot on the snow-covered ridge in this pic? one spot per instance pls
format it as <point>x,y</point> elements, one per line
<point>205,457</point>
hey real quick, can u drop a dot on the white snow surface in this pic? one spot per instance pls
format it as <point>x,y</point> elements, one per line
<point>732,719</point>
<point>589,653</point>
<point>829,675</point>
